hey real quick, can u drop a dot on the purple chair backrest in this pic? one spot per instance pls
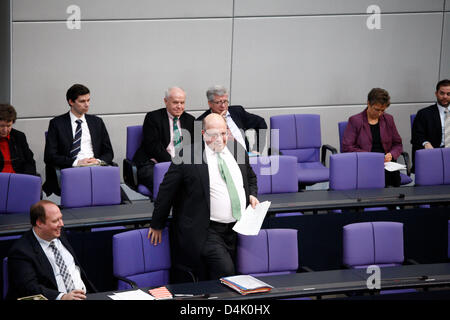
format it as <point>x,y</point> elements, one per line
<point>341,127</point>
<point>134,139</point>
<point>18,192</point>
<point>159,171</point>
<point>356,170</point>
<point>272,251</point>
<point>135,258</point>
<point>432,166</point>
<point>369,243</point>
<point>299,135</point>
<point>448,248</point>
<point>275,174</point>
<point>90,186</point>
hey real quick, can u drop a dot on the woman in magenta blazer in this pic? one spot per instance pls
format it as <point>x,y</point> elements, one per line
<point>374,131</point>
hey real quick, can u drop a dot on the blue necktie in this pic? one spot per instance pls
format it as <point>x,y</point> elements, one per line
<point>76,144</point>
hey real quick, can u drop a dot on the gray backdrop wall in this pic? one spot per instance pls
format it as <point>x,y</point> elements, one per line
<point>277,57</point>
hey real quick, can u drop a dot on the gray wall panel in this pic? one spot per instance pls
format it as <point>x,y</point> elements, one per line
<point>445,58</point>
<point>313,7</point>
<point>32,10</point>
<point>5,52</point>
<point>127,65</point>
<point>447,5</point>
<point>300,61</point>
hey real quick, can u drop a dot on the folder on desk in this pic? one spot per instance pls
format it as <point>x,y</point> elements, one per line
<point>245,284</point>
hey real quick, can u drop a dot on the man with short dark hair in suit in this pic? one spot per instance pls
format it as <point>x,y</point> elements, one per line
<point>75,139</point>
<point>164,132</point>
<point>428,129</point>
<point>207,191</point>
<point>43,262</point>
<point>238,120</point>
<point>15,154</point>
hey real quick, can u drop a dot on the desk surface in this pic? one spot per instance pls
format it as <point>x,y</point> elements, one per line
<point>341,199</point>
<point>87,217</point>
<point>318,283</point>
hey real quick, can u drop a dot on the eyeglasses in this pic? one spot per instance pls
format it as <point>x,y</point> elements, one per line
<point>220,102</point>
<point>217,134</point>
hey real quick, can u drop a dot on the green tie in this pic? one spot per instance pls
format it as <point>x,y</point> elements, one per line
<point>176,133</point>
<point>232,192</point>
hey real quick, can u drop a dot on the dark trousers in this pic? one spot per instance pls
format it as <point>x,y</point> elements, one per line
<point>392,179</point>
<point>219,251</point>
<point>145,175</point>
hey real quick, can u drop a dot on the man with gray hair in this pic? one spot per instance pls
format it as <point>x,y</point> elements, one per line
<point>238,120</point>
<point>163,135</point>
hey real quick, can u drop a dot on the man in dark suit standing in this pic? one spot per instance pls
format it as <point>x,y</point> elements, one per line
<point>207,191</point>
<point>164,132</point>
<point>75,139</point>
<point>428,129</point>
<point>15,154</point>
<point>43,262</point>
<point>238,120</point>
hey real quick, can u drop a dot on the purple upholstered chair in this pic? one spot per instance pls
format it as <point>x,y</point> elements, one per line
<point>357,170</point>
<point>299,135</point>
<point>138,263</point>
<point>159,171</point>
<point>271,252</point>
<point>405,178</point>
<point>276,174</point>
<point>134,139</point>
<point>374,243</point>
<point>432,166</point>
<point>18,192</point>
<point>90,186</point>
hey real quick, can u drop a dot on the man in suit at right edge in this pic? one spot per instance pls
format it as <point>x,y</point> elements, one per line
<point>428,130</point>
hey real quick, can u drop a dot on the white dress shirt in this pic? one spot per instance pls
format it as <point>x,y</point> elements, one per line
<point>235,131</point>
<point>72,268</point>
<point>220,203</point>
<point>442,116</point>
<point>86,150</point>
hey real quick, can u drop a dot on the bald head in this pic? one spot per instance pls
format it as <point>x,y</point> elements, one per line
<point>175,99</point>
<point>215,131</point>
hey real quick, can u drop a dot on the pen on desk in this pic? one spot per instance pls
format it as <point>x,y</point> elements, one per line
<point>183,295</point>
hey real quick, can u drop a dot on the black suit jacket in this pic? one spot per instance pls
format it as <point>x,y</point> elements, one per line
<point>58,144</point>
<point>156,136</point>
<point>245,121</point>
<point>21,155</point>
<point>426,127</point>
<point>30,272</point>
<point>185,188</point>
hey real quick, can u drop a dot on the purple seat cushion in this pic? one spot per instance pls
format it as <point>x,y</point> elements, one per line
<point>370,170</point>
<point>343,175</point>
<point>4,186</point>
<point>252,253</point>
<point>24,191</point>
<point>105,185</point>
<point>135,258</point>
<point>144,190</point>
<point>312,172</point>
<point>358,245</point>
<point>283,250</point>
<point>429,168</point>
<point>76,187</point>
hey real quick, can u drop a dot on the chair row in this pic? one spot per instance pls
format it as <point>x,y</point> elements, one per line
<point>138,263</point>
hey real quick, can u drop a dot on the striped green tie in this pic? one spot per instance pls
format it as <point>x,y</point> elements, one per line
<point>232,192</point>
<point>176,133</point>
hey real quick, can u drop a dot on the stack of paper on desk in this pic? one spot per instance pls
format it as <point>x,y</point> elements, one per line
<point>131,295</point>
<point>245,284</point>
<point>252,219</point>
<point>394,166</point>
